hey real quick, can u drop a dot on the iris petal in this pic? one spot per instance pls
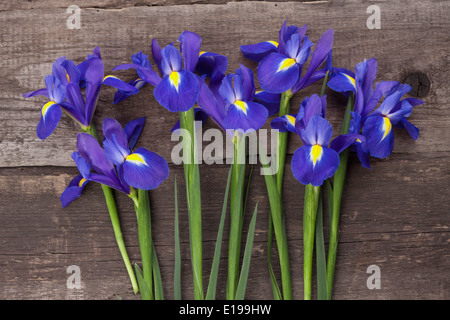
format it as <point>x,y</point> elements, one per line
<point>93,77</point>
<point>156,53</point>
<point>178,98</point>
<point>253,118</point>
<point>259,51</point>
<point>114,151</point>
<point>50,116</point>
<point>412,129</point>
<point>145,170</point>
<point>277,74</point>
<point>133,130</point>
<point>310,166</point>
<point>190,49</point>
<point>244,81</point>
<point>121,95</point>
<point>342,82</point>
<point>90,150</point>
<point>115,82</point>
<point>342,142</point>
<point>269,100</point>
<point>113,128</point>
<point>284,123</point>
<point>212,65</point>
<point>73,190</point>
<point>82,165</point>
<point>171,59</point>
<point>39,92</point>
<point>318,131</point>
<point>209,103</point>
<point>379,135</point>
<point>146,74</point>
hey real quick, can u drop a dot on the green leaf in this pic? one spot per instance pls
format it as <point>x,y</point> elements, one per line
<point>143,285</point>
<point>322,288</point>
<point>248,188</point>
<point>273,280</point>
<point>242,285</point>
<point>145,237</point>
<point>329,198</point>
<point>177,271</point>
<point>192,178</point>
<point>279,227</point>
<point>159,292</point>
<point>237,194</point>
<point>311,205</point>
<point>212,285</point>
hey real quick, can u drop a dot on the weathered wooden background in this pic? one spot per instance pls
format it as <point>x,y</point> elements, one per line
<point>395,216</point>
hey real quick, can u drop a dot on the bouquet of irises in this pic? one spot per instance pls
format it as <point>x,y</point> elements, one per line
<point>196,85</point>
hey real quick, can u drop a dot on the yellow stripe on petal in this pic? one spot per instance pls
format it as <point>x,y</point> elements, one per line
<point>136,158</point>
<point>274,43</point>
<point>174,78</point>
<point>352,80</point>
<point>201,53</point>
<point>286,64</point>
<point>291,120</point>
<point>82,181</point>
<point>241,105</point>
<point>109,76</point>
<point>46,107</point>
<point>387,127</point>
<point>316,153</point>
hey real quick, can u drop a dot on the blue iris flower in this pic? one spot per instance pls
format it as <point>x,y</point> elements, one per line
<point>64,90</point>
<point>370,130</point>
<point>378,127</point>
<point>309,107</point>
<point>177,87</point>
<point>232,105</point>
<point>281,63</point>
<point>115,165</point>
<point>315,161</point>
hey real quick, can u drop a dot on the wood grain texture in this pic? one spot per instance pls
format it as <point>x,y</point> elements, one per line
<point>406,238</point>
<point>394,215</point>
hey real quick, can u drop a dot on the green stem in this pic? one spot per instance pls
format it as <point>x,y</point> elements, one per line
<point>309,225</point>
<point>277,216</point>
<point>338,186</point>
<point>236,215</point>
<point>192,178</point>
<point>324,84</point>
<point>114,216</point>
<point>279,227</point>
<point>142,206</point>
<point>282,140</point>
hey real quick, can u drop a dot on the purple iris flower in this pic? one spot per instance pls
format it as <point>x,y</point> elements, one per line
<point>309,107</point>
<point>315,161</point>
<point>177,87</point>
<point>115,165</point>
<point>63,89</point>
<point>280,64</point>
<point>232,104</point>
<point>379,128</point>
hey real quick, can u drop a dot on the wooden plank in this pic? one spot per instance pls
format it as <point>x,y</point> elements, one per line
<point>394,216</point>
<point>404,233</point>
<point>28,50</point>
<point>116,4</point>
